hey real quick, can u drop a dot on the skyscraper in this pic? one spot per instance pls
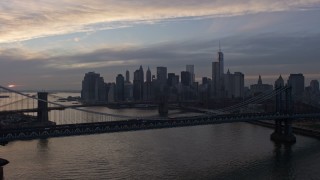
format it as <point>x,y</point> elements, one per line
<point>127,76</point>
<point>190,69</point>
<point>185,78</point>
<point>141,74</point>
<point>120,87</point>
<point>279,82</point>
<point>93,88</point>
<point>221,61</point>
<point>238,85</point>
<point>216,79</point>
<point>147,87</point>
<point>314,85</point>
<point>162,75</point>
<point>170,78</point>
<point>137,88</point>
<point>296,81</point>
<point>148,75</point>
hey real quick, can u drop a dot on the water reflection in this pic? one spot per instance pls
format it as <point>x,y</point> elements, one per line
<point>42,145</point>
<point>283,161</point>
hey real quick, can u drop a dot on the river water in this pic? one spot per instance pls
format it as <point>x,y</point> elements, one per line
<point>221,151</point>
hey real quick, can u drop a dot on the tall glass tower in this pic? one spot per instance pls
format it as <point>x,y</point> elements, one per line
<point>220,60</point>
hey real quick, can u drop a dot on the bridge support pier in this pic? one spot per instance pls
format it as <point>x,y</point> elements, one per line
<point>3,162</point>
<point>283,132</point>
<point>43,107</point>
<point>283,127</point>
<point>163,109</point>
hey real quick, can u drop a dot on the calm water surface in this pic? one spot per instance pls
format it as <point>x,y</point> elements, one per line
<point>225,151</point>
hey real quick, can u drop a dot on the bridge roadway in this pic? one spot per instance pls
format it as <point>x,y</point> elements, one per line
<point>63,107</point>
<point>7,135</point>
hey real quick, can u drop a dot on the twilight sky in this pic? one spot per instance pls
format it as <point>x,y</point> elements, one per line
<point>47,44</point>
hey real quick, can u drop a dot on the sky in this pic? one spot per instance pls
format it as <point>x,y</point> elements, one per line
<point>47,44</point>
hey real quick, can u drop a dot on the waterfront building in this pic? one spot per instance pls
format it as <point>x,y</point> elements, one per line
<point>120,88</point>
<point>111,92</point>
<point>93,88</point>
<point>128,91</point>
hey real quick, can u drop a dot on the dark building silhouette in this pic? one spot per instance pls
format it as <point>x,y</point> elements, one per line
<point>93,88</point>
<point>120,88</point>
<point>127,76</point>
<point>137,88</point>
<point>148,75</point>
<point>138,84</point>
<point>147,88</point>
<point>314,85</point>
<point>185,78</point>
<point>311,93</point>
<point>279,82</point>
<point>218,75</point>
<point>170,78</point>
<point>296,81</point>
<point>260,87</point>
<point>162,76</point>
<point>190,69</point>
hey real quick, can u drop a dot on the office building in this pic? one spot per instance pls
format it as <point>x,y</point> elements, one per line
<point>190,69</point>
<point>127,76</point>
<point>260,87</point>
<point>120,88</point>
<point>93,88</point>
<point>296,81</point>
<point>162,76</point>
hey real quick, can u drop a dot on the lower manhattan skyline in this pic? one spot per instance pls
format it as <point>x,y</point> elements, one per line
<point>266,39</point>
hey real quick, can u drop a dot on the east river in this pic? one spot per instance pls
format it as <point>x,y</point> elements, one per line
<point>221,151</point>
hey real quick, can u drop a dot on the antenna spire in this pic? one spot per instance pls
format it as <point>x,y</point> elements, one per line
<point>219,46</point>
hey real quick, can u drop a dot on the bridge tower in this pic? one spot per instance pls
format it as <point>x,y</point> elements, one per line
<point>283,127</point>
<point>43,107</point>
<point>163,105</point>
<point>3,162</point>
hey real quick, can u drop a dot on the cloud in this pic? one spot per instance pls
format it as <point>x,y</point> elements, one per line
<point>24,20</point>
<point>267,54</point>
